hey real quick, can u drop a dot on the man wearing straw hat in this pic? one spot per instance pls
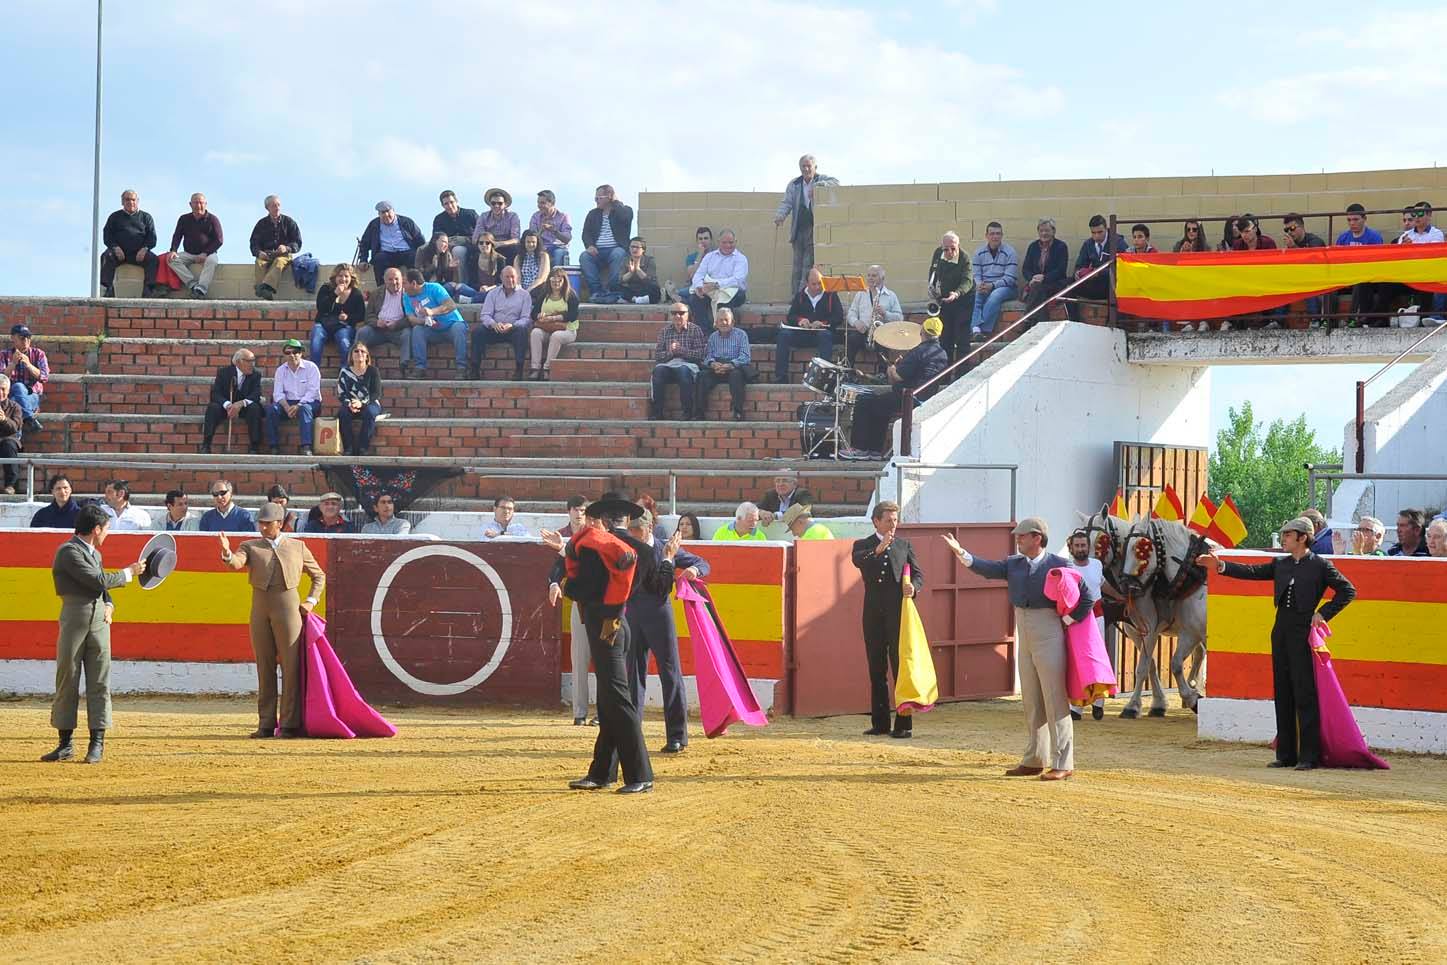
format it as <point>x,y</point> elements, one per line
<point>1040,641</point>
<point>275,563</point>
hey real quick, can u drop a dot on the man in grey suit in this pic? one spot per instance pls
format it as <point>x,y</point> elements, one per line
<point>85,633</point>
<point>798,200</point>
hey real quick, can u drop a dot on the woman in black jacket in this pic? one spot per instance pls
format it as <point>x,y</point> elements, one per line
<point>360,389</point>
<point>555,319</point>
<point>340,306</point>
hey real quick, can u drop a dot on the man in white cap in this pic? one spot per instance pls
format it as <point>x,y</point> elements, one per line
<point>275,563</point>
<point>1040,639</point>
<point>1302,579</point>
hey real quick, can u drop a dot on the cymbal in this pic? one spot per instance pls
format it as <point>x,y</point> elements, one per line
<point>899,336</point>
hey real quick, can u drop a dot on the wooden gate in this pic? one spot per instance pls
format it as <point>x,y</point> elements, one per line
<point>1143,470</point>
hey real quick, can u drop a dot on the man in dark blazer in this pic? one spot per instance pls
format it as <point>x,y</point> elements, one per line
<point>235,394</point>
<point>1301,579</point>
<point>400,252</point>
<point>881,558</point>
<point>84,643</point>
<point>651,627</point>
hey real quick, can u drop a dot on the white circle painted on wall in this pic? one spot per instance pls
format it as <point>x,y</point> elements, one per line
<point>379,599</point>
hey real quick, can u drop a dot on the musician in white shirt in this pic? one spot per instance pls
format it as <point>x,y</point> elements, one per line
<point>876,306</point>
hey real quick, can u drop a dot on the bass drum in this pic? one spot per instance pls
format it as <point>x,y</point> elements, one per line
<point>816,423</point>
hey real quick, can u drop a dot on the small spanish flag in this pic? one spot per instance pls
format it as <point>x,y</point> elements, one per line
<point>1117,506</point>
<point>1168,506</point>
<point>1202,515</point>
<point>1229,524</point>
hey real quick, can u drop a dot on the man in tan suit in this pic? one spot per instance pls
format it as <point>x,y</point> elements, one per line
<point>85,634</point>
<point>275,563</point>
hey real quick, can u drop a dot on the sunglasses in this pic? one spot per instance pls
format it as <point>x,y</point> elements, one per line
<point>498,203</point>
<point>677,314</point>
<point>291,351</point>
<point>218,495</point>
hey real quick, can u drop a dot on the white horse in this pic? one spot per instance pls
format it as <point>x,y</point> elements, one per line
<point>1158,570</point>
<point>1106,535</point>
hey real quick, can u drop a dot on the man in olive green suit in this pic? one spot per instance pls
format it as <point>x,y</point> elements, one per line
<point>275,563</point>
<point>84,642</point>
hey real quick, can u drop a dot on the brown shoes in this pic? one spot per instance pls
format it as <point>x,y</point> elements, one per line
<point>1023,771</point>
<point>1056,775</point>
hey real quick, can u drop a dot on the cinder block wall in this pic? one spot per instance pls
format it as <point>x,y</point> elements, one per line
<point>899,225</point>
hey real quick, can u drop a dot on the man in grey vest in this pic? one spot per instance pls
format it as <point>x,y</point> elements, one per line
<point>84,643</point>
<point>799,200</point>
<point>1040,638</point>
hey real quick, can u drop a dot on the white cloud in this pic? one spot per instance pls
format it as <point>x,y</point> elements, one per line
<point>234,158</point>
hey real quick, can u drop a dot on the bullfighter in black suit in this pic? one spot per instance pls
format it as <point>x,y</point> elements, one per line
<point>881,558</point>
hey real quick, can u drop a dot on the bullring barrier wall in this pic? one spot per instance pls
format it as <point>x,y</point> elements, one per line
<point>1389,648</point>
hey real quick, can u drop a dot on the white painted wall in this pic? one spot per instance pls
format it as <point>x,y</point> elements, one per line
<point>1405,431</point>
<point>1054,401</point>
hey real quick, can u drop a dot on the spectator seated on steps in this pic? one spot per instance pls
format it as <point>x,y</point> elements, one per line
<point>275,241</point>
<point>63,508</point>
<point>745,525</point>
<point>197,240</point>
<point>390,240</point>
<point>387,322</point>
<point>326,516</point>
<point>28,370</point>
<point>677,355</point>
<point>815,317</point>
<point>504,521</point>
<point>727,358</point>
<point>296,394</point>
<point>130,239</point>
<point>386,522</point>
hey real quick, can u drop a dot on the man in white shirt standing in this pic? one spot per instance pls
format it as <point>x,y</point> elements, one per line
<point>296,394</point>
<point>721,280</point>
<point>118,507</point>
<point>875,306</point>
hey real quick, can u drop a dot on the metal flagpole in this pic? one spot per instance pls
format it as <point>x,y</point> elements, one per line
<point>95,187</point>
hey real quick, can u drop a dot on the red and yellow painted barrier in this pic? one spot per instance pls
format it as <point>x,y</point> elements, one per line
<point>1214,284</point>
<point>747,584</point>
<point>1389,646</point>
<point>199,614</point>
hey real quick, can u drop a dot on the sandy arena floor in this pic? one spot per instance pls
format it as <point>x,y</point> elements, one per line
<point>801,842</point>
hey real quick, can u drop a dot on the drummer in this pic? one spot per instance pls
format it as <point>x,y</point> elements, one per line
<point>873,413</point>
<point>875,306</point>
<point>814,317</point>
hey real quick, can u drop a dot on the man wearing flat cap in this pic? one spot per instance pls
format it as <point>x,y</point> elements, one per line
<point>1302,579</point>
<point>1040,644</point>
<point>390,241</point>
<point>275,563</point>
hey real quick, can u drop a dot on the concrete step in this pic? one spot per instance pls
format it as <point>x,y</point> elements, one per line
<point>303,478</point>
<point>188,395</point>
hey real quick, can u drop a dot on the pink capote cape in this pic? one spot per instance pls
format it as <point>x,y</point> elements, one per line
<point>724,696</point>
<point>331,705</point>
<point>1088,674</point>
<point>1342,744</point>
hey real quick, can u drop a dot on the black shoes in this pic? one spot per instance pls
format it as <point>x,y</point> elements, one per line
<point>197,291</point>
<point>306,450</point>
<point>1282,764</point>
<point>110,292</point>
<point>588,784</point>
<point>1097,711</point>
<point>672,747</point>
<point>901,735</point>
<point>265,292</point>
<point>1075,713</point>
<point>738,417</point>
<point>1306,766</point>
<point>579,721</point>
<point>291,733</point>
<point>637,787</point>
<point>32,424</point>
<point>263,733</point>
<point>64,749</point>
<point>96,749</point>
<point>204,448</point>
<point>876,732</point>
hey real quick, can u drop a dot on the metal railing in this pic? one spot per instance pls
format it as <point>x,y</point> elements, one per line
<point>1315,477</point>
<point>1361,411</point>
<point>1315,471</point>
<point>906,415</point>
<point>900,468</point>
<point>252,464</point>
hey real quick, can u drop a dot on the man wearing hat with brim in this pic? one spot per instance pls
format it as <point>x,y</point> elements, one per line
<point>501,222</point>
<point>873,413</point>
<point>1302,579</point>
<point>390,241</point>
<point>599,569</point>
<point>275,563</point>
<point>1040,647</point>
<point>84,642</point>
<point>799,520</point>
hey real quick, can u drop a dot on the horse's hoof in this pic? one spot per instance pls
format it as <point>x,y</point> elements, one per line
<point>1196,708</point>
<point>1158,711</point>
<point>1130,713</point>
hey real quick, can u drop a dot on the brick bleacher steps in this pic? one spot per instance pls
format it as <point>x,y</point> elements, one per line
<point>623,401</point>
<point>745,480</point>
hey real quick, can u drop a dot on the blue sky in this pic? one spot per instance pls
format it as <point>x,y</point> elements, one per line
<point>334,106</point>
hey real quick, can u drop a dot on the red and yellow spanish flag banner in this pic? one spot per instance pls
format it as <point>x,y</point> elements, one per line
<point>1228,523</point>
<point>1168,506</point>
<point>1388,646</point>
<point>1201,516</point>
<point>1215,284</point>
<point>1118,507</point>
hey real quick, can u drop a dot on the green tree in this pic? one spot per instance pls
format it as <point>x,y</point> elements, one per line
<point>1263,471</point>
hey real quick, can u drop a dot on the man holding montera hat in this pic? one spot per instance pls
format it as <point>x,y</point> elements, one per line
<point>275,563</point>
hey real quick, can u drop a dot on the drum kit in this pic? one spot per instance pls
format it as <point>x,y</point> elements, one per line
<point>824,424</point>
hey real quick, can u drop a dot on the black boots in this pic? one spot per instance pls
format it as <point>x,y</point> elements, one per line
<point>96,750</point>
<point>64,750</point>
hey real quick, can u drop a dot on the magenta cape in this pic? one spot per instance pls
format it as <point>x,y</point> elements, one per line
<point>1088,674</point>
<point>1342,744</point>
<point>724,696</point>
<point>331,705</point>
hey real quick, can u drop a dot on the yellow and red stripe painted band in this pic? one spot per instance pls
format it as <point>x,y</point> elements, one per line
<point>1387,646</point>
<point>1206,284</point>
